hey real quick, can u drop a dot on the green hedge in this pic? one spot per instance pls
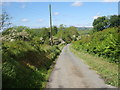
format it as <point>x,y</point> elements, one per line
<point>103,43</point>
<point>24,65</point>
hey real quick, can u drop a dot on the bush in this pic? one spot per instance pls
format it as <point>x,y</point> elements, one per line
<point>25,66</point>
<point>103,43</point>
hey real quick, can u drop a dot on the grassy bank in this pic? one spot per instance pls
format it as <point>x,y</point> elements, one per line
<point>25,65</point>
<point>108,71</point>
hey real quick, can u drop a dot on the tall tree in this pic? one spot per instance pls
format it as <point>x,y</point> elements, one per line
<point>114,21</point>
<point>4,20</point>
<point>106,22</point>
<point>55,30</point>
<point>100,23</point>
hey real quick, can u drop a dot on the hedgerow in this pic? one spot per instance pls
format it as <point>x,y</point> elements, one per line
<point>25,61</point>
<point>24,66</point>
<point>103,43</point>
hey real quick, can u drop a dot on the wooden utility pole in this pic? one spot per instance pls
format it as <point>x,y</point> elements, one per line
<point>50,25</point>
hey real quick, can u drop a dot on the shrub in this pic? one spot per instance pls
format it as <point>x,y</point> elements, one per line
<point>103,43</point>
<point>25,66</point>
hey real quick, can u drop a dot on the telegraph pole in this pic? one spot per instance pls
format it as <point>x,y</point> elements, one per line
<point>50,25</point>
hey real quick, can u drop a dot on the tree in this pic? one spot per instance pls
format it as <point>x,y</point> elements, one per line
<point>114,21</point>
<point>105,22</point>
<point>4,20</point>
<point>67,34</point>
<point>21,28</point>
<point>55,30</point>
<point>100,23</point>
<point>60,32</point>
<point>62,27</point>
<point>17,28</point>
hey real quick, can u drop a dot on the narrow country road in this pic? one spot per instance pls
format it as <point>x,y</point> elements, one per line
<point>71,72</point>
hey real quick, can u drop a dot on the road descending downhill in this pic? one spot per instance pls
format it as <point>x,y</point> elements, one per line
<point>71,72</point>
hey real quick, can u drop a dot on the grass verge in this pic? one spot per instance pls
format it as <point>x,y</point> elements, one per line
<point>108,71</point>
<point>48,75</point>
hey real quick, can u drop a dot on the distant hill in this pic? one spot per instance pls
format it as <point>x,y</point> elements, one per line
<point>84,28</point>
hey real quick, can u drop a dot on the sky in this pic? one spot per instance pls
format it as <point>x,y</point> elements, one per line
<point>36,14</point>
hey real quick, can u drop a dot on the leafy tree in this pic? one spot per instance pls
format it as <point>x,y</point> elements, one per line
<point>21,28</point>
<point>4,20</point>
<point>55,30</point>
<point>100,23</point>
<point>17,28</point>
<point>60,32</point>
<point>67,34</point>
<point>45,33</point>
<point>105,22</point>
<point>114,21</point>
<point>62,27</point>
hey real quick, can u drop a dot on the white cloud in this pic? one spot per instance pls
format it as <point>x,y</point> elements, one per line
<point>95,17</point>
<point>23,6</point>
<point>56,13</point>
<point>110,0</point>
<point>25,20</point>
<point>40,20</point>
<point>77,3</point>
